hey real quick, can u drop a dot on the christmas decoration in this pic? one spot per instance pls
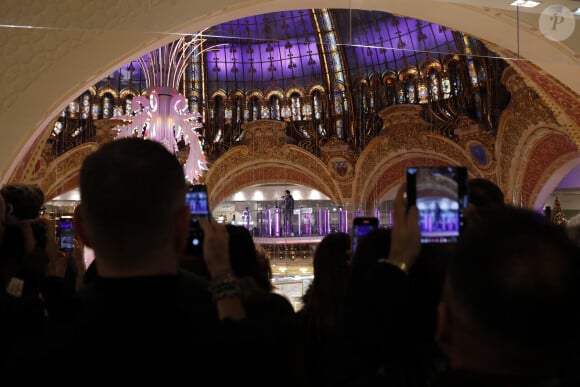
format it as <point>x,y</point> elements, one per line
<point>557,214</point>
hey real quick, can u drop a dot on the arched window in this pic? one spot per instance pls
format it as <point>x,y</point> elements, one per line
<point>85,106</point>
<point>422,93</point>
<point>274,107</point>
<point>390,90</point>
<point>128,102</point>
<point>237,109</point>
<point>339,128</point>
<point>434,84</point>
<point>254,108</point>
<point>265,112</point>
<point>472,73</point>
<point>73,109</point>
<point>338,106</point>
<point>455,79</point>
<point>218,111</point>
<point>316,102</point>
<point>296,107</point>
<point>410,91</point>
<point>107,106</point>
<point>445,85</point>
<point>95,111</point>
<point>307,110</point>
<point>228,115</point>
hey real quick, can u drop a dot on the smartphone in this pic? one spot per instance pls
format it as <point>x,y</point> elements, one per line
<point>197,201</point>
<point>440,194</point>
<point>360,226</point>
<point>66,233</point>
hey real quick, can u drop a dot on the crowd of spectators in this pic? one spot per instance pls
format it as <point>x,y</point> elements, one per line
<point>498,308</point>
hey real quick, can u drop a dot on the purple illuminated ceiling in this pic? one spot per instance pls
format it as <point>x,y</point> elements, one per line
<point>283,49</point>
<point>389,42</point>
<point>276,49</point>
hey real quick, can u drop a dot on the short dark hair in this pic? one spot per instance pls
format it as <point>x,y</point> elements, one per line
<point>324,300</point>
<point>244,256</point>
<point>287,191</point>
<point>513,281</point>
<point>26,200</point>
<point>130,191</point>
<point>484,193</point>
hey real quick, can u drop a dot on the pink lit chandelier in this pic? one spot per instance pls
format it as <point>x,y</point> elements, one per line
<point>162,114</point>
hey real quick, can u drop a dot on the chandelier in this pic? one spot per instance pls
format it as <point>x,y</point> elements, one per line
<point>161,113</point>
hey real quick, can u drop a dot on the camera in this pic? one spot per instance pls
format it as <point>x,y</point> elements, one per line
<point>197,200</point>
<point>440,194</point>
<point>360,226</point>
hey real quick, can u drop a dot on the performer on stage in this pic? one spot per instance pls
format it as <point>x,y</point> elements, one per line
<point>288,211</point>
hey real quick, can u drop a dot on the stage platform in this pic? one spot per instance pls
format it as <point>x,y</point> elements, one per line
<point>289,240</point>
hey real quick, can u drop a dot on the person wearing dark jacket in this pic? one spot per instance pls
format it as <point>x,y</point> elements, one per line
<point>509,303</point>
<point>288,213</point>
<point>141,318</point>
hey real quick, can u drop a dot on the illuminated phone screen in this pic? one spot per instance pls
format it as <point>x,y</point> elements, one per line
<point>197,200</point>
<point>66,233</point>
<point>362,226</point>
<point>440,194</point>
<point>198,204</point>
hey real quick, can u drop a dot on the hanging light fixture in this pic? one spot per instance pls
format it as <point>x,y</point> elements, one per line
<point>162,114</point>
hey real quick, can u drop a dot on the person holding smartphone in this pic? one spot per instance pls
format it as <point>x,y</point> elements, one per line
<point>148,317</point>
<point>380,328</point>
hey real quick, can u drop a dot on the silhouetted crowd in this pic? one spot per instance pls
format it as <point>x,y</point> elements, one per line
<point>499,308</point>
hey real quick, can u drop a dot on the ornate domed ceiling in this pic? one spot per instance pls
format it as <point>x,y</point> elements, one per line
<point>327,73</point>
<point>294,47</point>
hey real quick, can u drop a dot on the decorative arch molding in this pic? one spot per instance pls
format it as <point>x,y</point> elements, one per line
<point>108,90</point>
<point>526,155</point>
<point>62,173</point>
<point>550,179</point>
<point>243,166</point>
<point>543,156</point>
<point>386,175</point>
<point>521,71</point>
<point>391,175</point>
<point>563,103</point>
<point>277,92</point>
<point>34,163</point>
<point>71,57</point>
<point>525,113</point>
<point>316,87</point>
<point>402,141</point>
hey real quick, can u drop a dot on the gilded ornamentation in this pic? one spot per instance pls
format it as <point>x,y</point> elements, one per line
<point>558,98</point>
<point>339,159</point>
<point>341,168</point>
<point>480,154</point>
<point>64,170</point>
<point>264,159</point>
<point>39,156</point>
<point>550,152</point>
<point>105,130</point>
<point>402,143</point>
<point>529,144</point>
<point>265,136</point>
<point>525,113</point>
